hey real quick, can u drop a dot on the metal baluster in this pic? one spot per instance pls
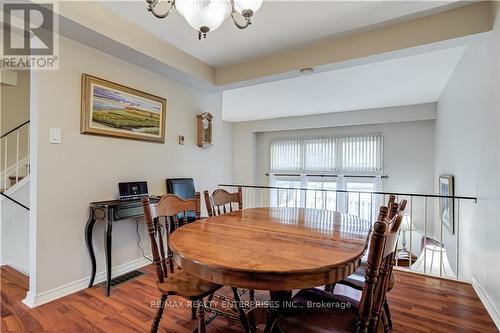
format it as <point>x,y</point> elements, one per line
<point>411,231</point>
<point>441,248</point>
<point>305,199</point>
<point>425,236</point>
<point>253,198</point>
<point>359,204</point>
<point>286,198</point>
<point>371,207</point>
<point>5,165</point>
<point>296,197</point>
<point>323,198</point>
<point>315,201</point>
<point>458,240</point>
<point>337,201</point>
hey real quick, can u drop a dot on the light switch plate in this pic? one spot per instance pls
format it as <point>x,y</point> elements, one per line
<point>55,136</point>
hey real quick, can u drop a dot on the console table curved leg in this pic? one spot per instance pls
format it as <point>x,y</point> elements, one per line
<point>107,241</point>
<point>89,228</point>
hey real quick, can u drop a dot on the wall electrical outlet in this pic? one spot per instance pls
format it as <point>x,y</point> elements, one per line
<point>55,136</point>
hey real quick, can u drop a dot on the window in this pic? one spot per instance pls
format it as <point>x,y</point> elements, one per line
<point>353,163</point>
<point>359,154</point>
<point>286,198</point>
<point>359,204</point>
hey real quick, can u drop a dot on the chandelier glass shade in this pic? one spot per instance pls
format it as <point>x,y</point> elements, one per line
<point>244,6</point>
<point>208,15</point>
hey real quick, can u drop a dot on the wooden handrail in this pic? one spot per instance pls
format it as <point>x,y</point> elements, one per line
<point>14,200</point>
<point>349,191</point>
<point>14,129</point>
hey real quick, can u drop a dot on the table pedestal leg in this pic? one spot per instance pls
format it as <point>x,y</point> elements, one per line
<point>269,315</point>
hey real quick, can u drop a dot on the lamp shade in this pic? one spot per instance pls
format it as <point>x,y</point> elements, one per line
<point>202,14</point>
<point>242,6</point>
<point>407,224</point>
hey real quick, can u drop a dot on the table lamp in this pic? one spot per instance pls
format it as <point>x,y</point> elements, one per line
<point>404,256</point>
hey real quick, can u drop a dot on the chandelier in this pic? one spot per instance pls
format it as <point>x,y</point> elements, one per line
<point>207,15</point>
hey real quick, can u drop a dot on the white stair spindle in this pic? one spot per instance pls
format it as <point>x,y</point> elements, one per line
<point>5,185</point>
<point>17,156</point>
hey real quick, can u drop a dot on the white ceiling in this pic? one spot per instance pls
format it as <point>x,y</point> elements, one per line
<point>402,81</point>
<point>277,25</point>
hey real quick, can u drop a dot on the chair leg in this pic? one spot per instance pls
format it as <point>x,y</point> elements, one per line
<point>243,316</point>
<point>209,299</point>
<point>156,321</point>
<point>271,324</point>
<point>251,295</point>
<point>193,311</point>
<point>330,287</point>
<point>387,313</point>
<point>201,317</point>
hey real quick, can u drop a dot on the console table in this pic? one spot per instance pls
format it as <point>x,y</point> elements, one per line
<point>109,212</point>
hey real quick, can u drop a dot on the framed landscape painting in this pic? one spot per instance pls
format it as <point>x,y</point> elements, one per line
<point>114,110</point>
<point>446,205</point>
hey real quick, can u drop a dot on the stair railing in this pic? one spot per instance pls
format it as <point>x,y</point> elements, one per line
<point>20,168</point>
<point>428,244</point>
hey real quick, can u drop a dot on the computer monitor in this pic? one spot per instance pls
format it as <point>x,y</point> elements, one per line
<point>132,190</point>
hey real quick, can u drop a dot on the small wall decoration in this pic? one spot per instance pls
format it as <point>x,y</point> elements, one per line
<point>446,205</point>
<point>204,129</point>
<point>115,110</point>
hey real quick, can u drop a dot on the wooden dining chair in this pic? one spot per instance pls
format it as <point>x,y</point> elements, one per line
<point>340,313</point>
<point>170,279</point>
<point>183,188</point>
<point>357,279</point>
<point>223,202</point>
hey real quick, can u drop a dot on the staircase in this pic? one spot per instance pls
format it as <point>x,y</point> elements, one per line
<point>14,154</point>
<point>13,180</point>
<point>14,198</point>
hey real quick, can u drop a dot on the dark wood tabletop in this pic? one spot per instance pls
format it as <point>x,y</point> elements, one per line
<point>272,248</point>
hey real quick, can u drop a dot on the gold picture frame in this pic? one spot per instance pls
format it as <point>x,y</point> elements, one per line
<point>115,110</point>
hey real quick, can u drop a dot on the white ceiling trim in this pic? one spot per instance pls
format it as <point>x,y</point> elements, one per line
<point>409,80</point>
<point>278,25</point>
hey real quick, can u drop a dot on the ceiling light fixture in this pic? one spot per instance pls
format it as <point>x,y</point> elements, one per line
<point>207,15</point>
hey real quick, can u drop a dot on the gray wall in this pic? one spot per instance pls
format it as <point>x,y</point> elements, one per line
<point>87,168</point>
<point>467,146</point>
<point>408,152</point>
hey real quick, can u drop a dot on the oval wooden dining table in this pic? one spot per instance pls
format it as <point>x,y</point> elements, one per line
<point>272,249</point>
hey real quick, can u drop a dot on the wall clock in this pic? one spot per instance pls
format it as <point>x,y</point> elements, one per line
<point>204,129</point>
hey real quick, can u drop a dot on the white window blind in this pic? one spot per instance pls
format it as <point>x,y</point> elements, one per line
<point>353,154</point>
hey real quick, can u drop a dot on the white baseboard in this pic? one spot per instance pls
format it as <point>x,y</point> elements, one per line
<point>73,287</point>
<point>488,304</point>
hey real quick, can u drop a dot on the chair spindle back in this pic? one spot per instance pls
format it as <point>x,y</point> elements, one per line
<point>221,201</point>
<point>157,218</point>
<point>378,269</point>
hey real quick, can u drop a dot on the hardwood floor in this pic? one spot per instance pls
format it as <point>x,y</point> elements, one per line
<point>418,303</point>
